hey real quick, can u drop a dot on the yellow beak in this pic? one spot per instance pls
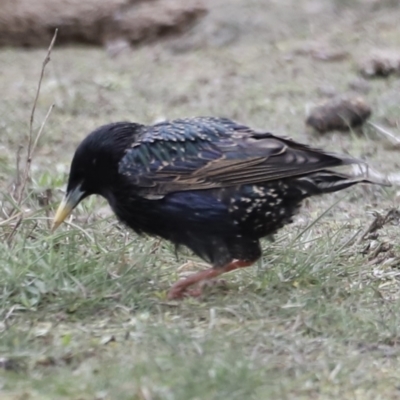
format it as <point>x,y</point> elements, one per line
<point>69,202</point>
<point>63,211</point>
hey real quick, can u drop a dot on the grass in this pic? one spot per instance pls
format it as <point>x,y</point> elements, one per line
<point>83,311</point>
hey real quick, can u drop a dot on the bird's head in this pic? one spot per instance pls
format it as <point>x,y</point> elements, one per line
<point>94,167</point>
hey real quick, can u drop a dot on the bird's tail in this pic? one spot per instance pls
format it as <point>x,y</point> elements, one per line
<point>327,181</point>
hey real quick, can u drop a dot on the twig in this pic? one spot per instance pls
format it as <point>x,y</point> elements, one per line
<point>8,315</point>
<point>15,216</point>
<point>32,143</point>
<point>18,171</point>
<point>15,228</point>
<point>378,223</point>
<point>387,133</point>
<point>394,178</point>
<point>41,129</point>
<point>47,200</point>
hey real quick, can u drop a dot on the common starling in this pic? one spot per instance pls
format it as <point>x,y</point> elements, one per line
<point>210,184</point>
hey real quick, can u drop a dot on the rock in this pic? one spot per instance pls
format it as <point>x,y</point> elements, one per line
<point>96,22</point>
<point>340,113</point>
<point>380,63</point>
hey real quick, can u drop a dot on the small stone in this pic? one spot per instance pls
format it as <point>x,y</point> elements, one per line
<point>380,63</point>
<point>340,113</point>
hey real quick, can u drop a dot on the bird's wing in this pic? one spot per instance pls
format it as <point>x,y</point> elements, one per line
<point>205,153</point>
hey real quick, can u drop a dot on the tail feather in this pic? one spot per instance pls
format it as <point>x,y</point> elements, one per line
<point>329,181</point>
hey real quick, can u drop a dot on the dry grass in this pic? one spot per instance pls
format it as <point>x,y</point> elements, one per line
<point>83,310</point>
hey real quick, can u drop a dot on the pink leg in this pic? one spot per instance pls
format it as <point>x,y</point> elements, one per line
<point>180,288</point>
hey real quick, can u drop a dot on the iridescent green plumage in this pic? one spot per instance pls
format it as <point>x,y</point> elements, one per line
<point>210,184</point>
<point>207,153</point>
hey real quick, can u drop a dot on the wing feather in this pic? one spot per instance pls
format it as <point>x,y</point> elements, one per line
<point>205,153</point>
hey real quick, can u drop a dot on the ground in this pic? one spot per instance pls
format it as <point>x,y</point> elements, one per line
<point>84,313</point>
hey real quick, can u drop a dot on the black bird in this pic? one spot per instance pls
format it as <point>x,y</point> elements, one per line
<point>210,184</point>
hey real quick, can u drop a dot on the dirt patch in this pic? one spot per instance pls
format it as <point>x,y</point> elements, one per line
<point>380,63</point>
<point>96,22</point>
<point>342,114</point>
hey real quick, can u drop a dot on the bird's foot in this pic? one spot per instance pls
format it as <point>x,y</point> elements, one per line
<point>201,279</point>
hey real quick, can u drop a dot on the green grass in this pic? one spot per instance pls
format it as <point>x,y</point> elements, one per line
<point>83,310</point>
